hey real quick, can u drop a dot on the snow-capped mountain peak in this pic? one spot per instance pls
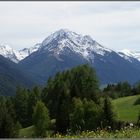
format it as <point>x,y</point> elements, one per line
<point>59,42</point>
<point>14,55</point>
<point>62,33</point>
<point>8,52</point>
<point>64,39</point>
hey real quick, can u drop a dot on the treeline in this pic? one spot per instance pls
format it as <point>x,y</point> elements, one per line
<point>121,89</point>
<point>70,102</point>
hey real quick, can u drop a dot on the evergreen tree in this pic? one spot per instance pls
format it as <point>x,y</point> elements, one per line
<point>85,83</point>
<point>34,97</point>
<point>63,110</point>
<point>41,119</point>
<point>21,106</point>
<point>125,89</point>
<point>138,88</point>
<point>10,107</point>
<point>108,114</point>
<point>9,128</point>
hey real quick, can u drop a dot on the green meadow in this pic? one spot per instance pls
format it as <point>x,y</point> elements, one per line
<point>125,108</point>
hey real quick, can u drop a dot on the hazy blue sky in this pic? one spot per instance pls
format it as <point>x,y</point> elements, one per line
<point>115,25</point>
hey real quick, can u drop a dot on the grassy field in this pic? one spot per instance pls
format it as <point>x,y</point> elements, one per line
<point>125,108</point>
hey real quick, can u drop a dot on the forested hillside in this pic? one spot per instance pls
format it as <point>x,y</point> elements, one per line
<point>70,103</point>
<point>11,76</point>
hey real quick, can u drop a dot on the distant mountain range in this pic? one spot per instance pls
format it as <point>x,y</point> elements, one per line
<point>65,49</point>
<point>17,56</point>
<point>14,55</point>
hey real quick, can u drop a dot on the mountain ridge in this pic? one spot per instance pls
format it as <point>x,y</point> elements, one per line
<point>127,54</point>
<point>14,55</point>
<point>18,55</point>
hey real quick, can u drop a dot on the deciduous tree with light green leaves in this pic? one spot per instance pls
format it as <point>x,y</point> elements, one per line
<point>41,119</point>
<point>77,122</point>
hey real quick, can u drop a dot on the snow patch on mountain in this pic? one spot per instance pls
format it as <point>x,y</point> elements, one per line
<point>128,55</point>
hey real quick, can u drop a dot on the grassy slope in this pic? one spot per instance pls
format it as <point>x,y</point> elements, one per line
<point>125,108</point>
<point>27,132</point>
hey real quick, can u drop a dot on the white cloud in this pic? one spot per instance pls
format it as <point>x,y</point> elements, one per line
<point>113,24</point>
